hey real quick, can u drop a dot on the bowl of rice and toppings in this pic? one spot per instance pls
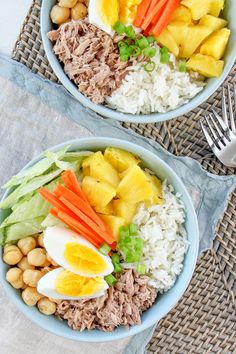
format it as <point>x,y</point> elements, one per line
<point>140,60</point>
<point>99,239</point>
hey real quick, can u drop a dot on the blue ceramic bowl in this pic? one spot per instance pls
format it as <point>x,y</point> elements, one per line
<point>164,302</point>
<point>212,84</point>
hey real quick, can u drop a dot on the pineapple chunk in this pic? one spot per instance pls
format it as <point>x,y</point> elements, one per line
<point>215,23</point>
<point>104,171</point>
<point>195,36</point>
<point>198,8</point>
<point>157,197</point>
<point>181,14</point>
<point>106,210</point>
<point>96,166</point>
<point>124,209</point>
<point>134,187</point>
<point>167,40</point>
<point>215,7</point>
<point>120,159</point>
<point>86,171</point>
<point>205,65</point>
<point>96,157</point>
<point>216,44</point>
<point>179,31</point>
<point>99,193</point>
<point>113,223</point>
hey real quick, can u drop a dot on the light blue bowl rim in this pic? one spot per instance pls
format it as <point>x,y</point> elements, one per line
<point>45,24</point>
<point>95,143</point>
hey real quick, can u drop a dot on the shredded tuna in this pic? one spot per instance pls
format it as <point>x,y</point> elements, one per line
<point>123,304</point>
<point>90,57</point>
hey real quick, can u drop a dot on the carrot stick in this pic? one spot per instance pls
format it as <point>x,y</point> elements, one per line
<point>62,191</point>
<point>158,14</point>
<point>147,30</point>
<point>141,13</point>
<point>152,5</point>
<point>105,235</point>
<point>70,178</point>
<point>165,17</point>
<point>52,199</point>
<point>96,241</point>
<point>152,13</point>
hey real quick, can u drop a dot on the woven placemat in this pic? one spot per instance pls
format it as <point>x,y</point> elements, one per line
<point>204,321</point>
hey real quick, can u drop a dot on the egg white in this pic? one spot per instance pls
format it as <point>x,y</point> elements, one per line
<point>55,240</point>
<point>95,18</point>
<point>46,287</point>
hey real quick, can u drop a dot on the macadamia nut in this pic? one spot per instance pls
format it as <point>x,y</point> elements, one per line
<point>40,240</point>
<point>26,244</point>
<point>12,255</point>
<point>31,296</point>
<point>15,278</point>
<point>24,264</point>
<point>59,14</point>
<point>46,306</point>
<point>67,3</point>
<point>37,257</point>
<point>31,277</point>
<point>79,11</point>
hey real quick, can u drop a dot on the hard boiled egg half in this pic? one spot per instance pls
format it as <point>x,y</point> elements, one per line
<point>72,252</point>
<point>104,14</point>
<point>63,284</point>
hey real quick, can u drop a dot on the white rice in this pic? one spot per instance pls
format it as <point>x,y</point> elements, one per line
<point>161,90</point>
<point>165,239</point>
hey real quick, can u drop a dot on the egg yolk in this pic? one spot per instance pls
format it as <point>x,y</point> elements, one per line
<point>128,10</point>
<point>109,11</point>
<point>84,259</point>
<point>71,284</point>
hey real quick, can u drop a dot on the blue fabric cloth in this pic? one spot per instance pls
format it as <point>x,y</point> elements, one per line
<point>209,192</point>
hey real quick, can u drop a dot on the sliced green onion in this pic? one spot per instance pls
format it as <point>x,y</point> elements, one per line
<point>117,268</point>
<point>104,249</point>
<point>182,65</point>
<point>133,229</point>
<point>124,57</point>
<point>141,269</point>
<point>142,42</point>
<point>124,231</point>
<point>149,52</point>
<point>115,258</point>
<point>165,56</point>
<point>121,44</point>
<point>151,39</point>
<point>129,244</point>
<point>119,28</point>
<point>110,279</point>
<point>136,51</point>
<point>150,66</point>
<point>125,52</point>
<point>130,32</point>
<point>139,244</point>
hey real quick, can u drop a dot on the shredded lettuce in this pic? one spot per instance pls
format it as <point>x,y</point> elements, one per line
<point>15,232</point>
<point>38,169</point>
<point>63,159</point>
<point>25,212</point>
<point>2,237</point>
<point>51,221</point>
<point>29,209</point>
<point>28,187</point>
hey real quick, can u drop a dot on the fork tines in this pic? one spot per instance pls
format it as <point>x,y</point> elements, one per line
<point>230,104</point>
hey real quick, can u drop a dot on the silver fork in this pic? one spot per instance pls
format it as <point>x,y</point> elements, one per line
<point>221,133</point>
